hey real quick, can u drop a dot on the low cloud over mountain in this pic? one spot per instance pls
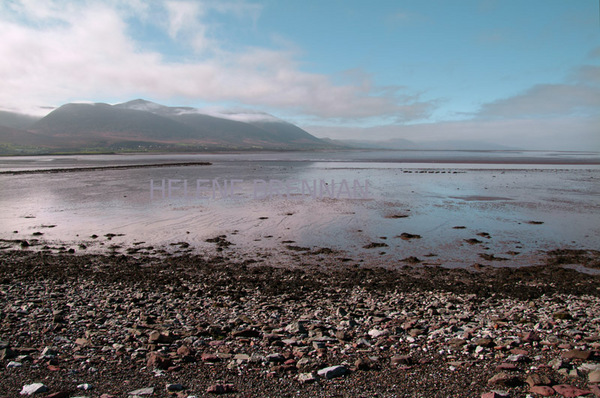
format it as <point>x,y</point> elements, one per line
<point>141,125</point>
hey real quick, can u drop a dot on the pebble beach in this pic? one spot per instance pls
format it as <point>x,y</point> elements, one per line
<point>124,326</point>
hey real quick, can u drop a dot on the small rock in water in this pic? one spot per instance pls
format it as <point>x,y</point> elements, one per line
<point>407,236</point>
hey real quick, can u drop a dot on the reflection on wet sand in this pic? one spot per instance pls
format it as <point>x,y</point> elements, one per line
<point>463,216</point>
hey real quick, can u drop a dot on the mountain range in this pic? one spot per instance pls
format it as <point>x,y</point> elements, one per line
<point>141,125</point>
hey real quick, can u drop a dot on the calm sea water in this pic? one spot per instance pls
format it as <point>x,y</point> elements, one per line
<point>516,204</point>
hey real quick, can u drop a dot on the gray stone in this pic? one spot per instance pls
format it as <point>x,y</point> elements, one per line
<point>34,388</point>
<point>556,364</point>
<point>333,371</point>
<point>375,333</point>
<point>416,332</point>
<point>589,367</point>
<point>305,378</point>
<point>594,377</point>
<point>517,358</point>
<point>142,391</point>
<point>49,352</point>
<point>303,363</point>
<point>296,328</point>
<point>241,358</point>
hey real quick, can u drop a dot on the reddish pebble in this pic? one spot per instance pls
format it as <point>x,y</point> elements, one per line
<point>569,391</point>
<point>221,389</point>
<point>577,354</point>
<point>519,351</point>
<point>507,366</point>
<point>544,391</point>
<point>491,395</point>
<point>207,357</point>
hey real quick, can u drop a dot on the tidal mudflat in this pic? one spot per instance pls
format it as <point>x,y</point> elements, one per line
<point>269,209</point>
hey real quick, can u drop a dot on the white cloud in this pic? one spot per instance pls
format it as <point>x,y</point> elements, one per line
<point>82,51</point>
<point>185,23</point>
<point>239,115</point>
<point>546,100</point>
<point>183,15</point>
<point>546,116</point>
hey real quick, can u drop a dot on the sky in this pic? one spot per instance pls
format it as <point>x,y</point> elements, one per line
<point>523,74</point>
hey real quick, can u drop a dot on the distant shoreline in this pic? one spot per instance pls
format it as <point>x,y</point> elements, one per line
<point>97,168</point>
<point>409,156</point>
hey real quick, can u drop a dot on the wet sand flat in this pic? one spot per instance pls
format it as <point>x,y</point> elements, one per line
<point>507,214</point>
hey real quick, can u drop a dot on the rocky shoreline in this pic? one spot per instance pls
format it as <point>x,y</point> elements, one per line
<point>125,326</point>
